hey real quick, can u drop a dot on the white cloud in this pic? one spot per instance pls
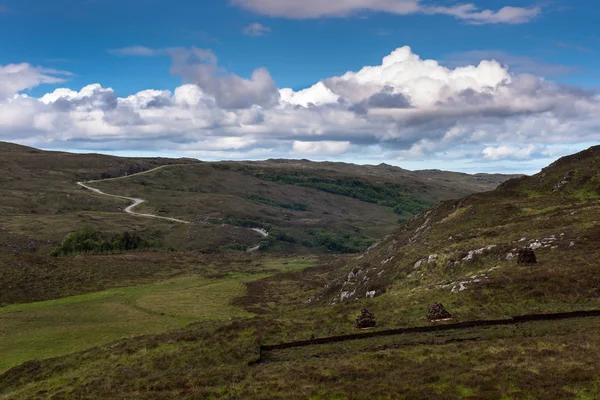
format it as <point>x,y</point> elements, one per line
<point>405,108</point>
<point>325,148</point>
<point>140,51</point>
<point>473,15</point>
<point>305,9</point>
<point>256,29</point>
<point>15,78</point>
<point>518,63</point>
<point>509,152</point>
<point>318,94</point>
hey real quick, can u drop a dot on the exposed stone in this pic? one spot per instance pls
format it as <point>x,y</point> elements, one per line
<point>535,245</point>
<point>387,261</point>
<point>459,288</point>
<point>365,320</point>
<point>347,295</point>
<point>437,312</point>
<point>478,252</point>
<point>526,256</point>
<point>565,181</point>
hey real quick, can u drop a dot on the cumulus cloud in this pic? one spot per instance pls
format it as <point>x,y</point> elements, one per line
<point>90,98</point>
<point>256,30</point>
<point>405,108</point>
<point>305,9</point>
<point>230,91</point>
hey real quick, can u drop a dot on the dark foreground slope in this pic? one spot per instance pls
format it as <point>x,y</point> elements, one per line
<point>460,253</point>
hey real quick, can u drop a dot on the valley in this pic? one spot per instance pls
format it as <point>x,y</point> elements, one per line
<point>98,301</point>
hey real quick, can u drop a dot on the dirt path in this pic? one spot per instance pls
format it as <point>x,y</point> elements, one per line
<point>136,202</point>
<point>263,233</point>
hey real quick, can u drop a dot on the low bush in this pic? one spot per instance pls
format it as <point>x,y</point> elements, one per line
<point>234,247</point>
<point>336,242</point>
<point>276,203</point>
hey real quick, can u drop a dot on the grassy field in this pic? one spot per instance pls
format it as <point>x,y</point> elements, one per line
<point>56,327</point>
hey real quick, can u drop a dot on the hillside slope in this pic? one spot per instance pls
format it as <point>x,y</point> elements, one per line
<point>473,242</point>
<point>43,182</point>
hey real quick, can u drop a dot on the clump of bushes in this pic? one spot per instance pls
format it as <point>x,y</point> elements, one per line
<point>91,240</point>
<point>276,203</point>
<point>338,242</point>
<point>234,247</point>
<point>394,196</point>
<point>242,223</point>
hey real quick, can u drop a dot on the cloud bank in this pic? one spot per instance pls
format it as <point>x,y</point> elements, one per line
<point>403,109</point>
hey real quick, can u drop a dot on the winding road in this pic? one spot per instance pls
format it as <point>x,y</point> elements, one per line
<point>136,202</point>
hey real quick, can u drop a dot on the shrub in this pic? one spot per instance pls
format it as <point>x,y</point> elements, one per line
<point>90,240</point>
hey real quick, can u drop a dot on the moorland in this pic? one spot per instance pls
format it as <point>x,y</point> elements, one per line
<point>99,303</point>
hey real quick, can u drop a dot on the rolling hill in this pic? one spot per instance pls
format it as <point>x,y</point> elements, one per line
<point>325,207</point>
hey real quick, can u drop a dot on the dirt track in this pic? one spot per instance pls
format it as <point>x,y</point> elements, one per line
<point>136,202</point>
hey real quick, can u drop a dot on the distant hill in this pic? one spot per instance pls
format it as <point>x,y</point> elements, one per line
<point>309,207</point>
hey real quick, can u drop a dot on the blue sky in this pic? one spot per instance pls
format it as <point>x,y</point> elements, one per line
<point>299,44</point>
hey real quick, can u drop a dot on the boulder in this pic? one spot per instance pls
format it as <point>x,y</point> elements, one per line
<point>437,312</point>
<point>526,256</point>
<point>365,320</point>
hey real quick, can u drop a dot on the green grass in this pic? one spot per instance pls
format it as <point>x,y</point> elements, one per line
<point>56,327</point>
<point>51,328</point>
<point>555,360</point>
